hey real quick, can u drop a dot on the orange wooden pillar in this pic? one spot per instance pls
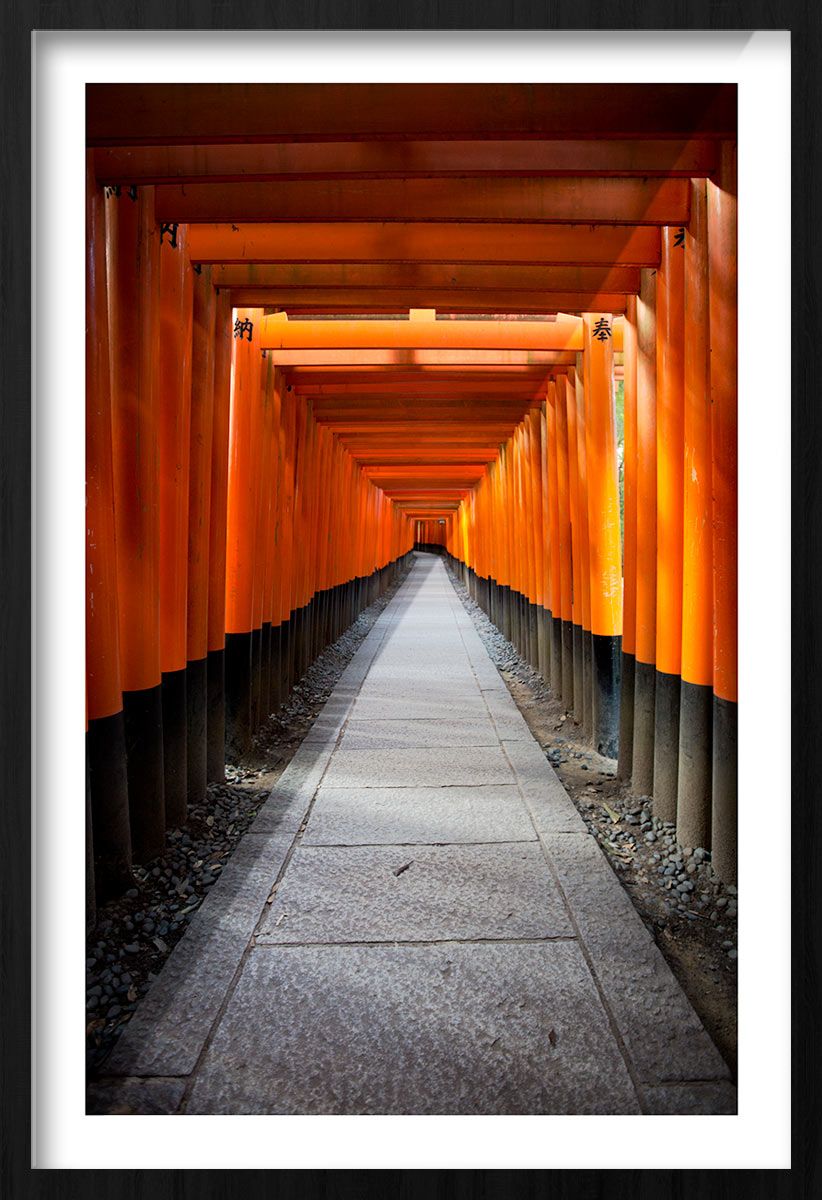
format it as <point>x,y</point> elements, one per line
<point>553,539</point>
<point>576,552</point>
<point>670,409</point>
<point>529,546</point>
<point>642,765</point>
<point>603,531</point>
<point>174,351</point>
<point>564,531</point>
<point>545,526</point>
<point>260,643</point>
<point>505,518</point>
<point>693,816</point>
<point>271,690</point>
<point>133,265</point>
<point>627,669</point>
<point>105,737</point>
<point>722,285</point>
<point>584,546</point>
<point>202,423</point>
<point>243,463</point>
<point>534,418</point>
<point>286,555</point>
<point>215,716</point>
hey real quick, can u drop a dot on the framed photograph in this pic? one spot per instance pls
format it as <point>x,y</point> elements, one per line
<point>386,447</point>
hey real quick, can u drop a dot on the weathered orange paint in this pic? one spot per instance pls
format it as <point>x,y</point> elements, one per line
<point>565,333</point>
<point>563,501</point>
<point>697,578</point>
<point>646,480</point>
<point>219,472</point>
<point>202,421</point>
<point>426,242</point>
<point>601,481</point>
<point>670,341</point>
<point>629,564</point>
<point>176,314</point>
<point>242,481</point>
<point>722,276</point>
<point>133,268</point>
<point>103,687</point>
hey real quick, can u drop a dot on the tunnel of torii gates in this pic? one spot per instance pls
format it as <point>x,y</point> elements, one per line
<point>328,323</point>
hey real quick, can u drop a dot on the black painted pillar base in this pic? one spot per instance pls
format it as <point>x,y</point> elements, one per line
<point>533,635</point>
<point>666,745</point>
<point>626,717</point>
<point>256,677</point>
<point>606,654</point>
<point>588,684</point>
<point>215,718</point>
<point>108,790</point>
<point>275,676</point>
<point>693,807</point>
<point>568,665</point>
<point>143,717</point>
<point>91,897</point>
<point>579,687</point>
<point>175,766</point>
<point>642,766</point>
<point>237,694</point>
<point>556,657</point>
<point>725,787</point>
<point>265,672</point>
<point>197,729</point>
<point>543,644</point>
<point>506,612</point>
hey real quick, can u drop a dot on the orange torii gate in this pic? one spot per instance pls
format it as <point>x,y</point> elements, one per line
<point>255,480</point>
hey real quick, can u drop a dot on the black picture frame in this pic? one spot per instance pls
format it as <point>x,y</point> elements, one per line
<point>804,20</point>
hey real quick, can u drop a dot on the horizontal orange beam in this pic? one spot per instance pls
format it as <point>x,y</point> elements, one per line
<point>506,389</point>
<point>569,199</point>
<point>418,241</point>
<point>494,336</point>
<point>408,357</point>
<point>453,276</point>
<point>175,113</point>
<point>255,162</point>
<point>364,300</point>
<point>392,374</point>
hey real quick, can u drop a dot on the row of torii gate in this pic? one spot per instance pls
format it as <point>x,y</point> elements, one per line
<point>270,429</point>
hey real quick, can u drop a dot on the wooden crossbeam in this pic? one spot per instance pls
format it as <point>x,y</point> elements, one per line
<point>257,162</point>
<point>571,199</point>
<point>424,242</point>
<point>199,114</point>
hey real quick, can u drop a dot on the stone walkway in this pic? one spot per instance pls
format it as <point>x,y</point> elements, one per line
<point>417,922</point>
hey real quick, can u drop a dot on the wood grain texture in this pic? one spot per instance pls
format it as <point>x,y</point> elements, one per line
<point>17,1181</point>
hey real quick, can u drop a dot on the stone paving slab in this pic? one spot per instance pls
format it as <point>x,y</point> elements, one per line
<point>416,894</point>
<point>288,800</point>
<point>168,1030</point>
<point>437,766</point>
<point>506,1028</point>
<point>416,706</point>
<point>550,806</point>
<point>425,816</point>
<point>509,722</point>
<point>690,1099</point>
<point>402,735</point>
<point>134,1097</point>
<point>663,1035</point>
